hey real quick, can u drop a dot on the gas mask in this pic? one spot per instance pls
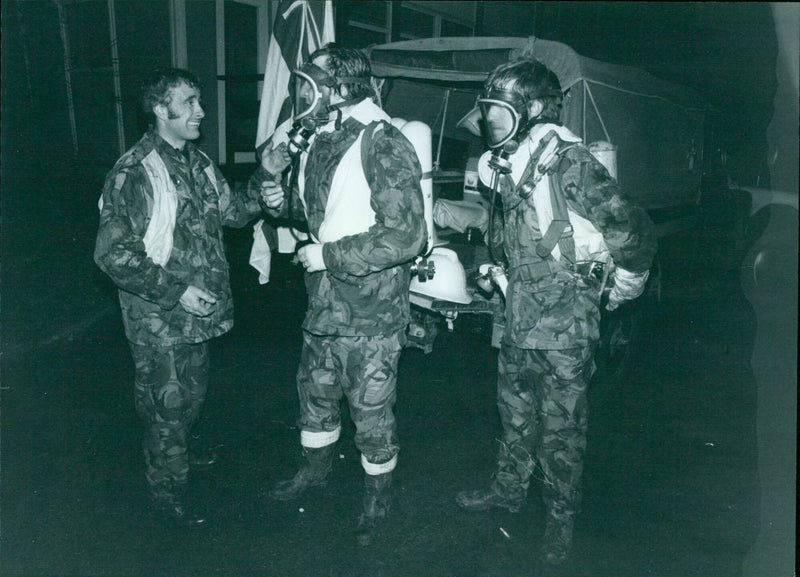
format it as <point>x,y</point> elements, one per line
<point>311,104</point>
<point>311,91</point>
<point>504,115</point>
<point>501,117</point>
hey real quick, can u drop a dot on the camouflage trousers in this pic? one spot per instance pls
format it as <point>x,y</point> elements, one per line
<point>169,392</point>
<point>364,369</point>
<point>541,396</point>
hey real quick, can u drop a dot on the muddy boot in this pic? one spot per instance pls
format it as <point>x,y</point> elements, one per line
<point>170,508</point>
<point>313,473</point>
<point>508,489</point>
<point>377,501</point>
<point>557,541</point>
<point>483,499</point>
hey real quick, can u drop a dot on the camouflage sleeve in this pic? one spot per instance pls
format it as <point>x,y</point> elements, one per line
<point>119,248</point>
<point>626,228</point>
<point>398,234</point>
<point>239,207</point>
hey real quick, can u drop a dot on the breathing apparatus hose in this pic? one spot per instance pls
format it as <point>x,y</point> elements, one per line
<point>500,167</point>
<point>293,178</point>
<point>495,186</point>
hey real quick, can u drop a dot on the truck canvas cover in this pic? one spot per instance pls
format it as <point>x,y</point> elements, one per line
<point>656,126</point>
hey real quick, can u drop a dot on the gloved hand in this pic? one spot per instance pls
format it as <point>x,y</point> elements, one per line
<point>627,286</point>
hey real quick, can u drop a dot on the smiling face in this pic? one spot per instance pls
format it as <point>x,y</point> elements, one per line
<point>179,121</point>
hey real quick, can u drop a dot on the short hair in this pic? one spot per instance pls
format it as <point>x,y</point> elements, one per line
<point>531,80</point>
<point>347,63</point>
<point>156,86</point>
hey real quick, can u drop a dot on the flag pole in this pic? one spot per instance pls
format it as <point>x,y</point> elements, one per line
<point>112,28</point>
<point>62,21</point>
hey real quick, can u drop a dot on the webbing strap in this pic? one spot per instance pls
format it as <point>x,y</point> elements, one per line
<point>366,140</point>
<point>536,269</point>
<point>553,237</point>
<point>560,231</point>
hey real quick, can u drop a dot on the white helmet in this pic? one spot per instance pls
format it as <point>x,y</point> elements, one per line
<point>449,281</point>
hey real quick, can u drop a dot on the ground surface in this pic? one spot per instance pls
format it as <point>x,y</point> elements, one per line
<point>671,479</point>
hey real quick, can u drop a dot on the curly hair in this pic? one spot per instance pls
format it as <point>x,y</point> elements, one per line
<point>347,63</point>
<point>531,80</point>
<point>155,88</point>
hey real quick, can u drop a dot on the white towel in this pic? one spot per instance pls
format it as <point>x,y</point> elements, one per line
<point>261,254</point>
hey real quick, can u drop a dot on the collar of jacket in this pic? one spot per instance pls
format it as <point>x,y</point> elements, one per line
<point>524,155</point>
<point>364,112</point>
<point>189,155</point>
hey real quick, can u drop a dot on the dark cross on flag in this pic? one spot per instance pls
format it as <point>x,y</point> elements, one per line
<point>301,26</point>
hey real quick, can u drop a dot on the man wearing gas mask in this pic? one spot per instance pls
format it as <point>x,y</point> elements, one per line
<point>565,224</point>
<point>355,180</point>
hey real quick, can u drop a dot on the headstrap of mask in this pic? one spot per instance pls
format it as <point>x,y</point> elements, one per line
<point>324,78</point>
<point>519,103</point>
<point>321,77</point>
<point>317,74</point>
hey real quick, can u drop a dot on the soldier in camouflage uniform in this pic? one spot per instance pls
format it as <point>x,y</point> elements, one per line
<point>160,240</point>
<point>564,218</point>
<point>359,191</point>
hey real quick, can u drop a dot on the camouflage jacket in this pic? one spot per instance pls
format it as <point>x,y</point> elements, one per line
<point>149,294</point>
<point>364,289</point>
<point>560,309</point>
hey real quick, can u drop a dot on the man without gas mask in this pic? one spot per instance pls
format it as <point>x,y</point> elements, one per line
<point>364,210</point>
<point>160,240</point>
<point>564,219</point>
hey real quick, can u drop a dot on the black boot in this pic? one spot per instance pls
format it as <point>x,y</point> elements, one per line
<point>557,541</point>
<point>313,473</point>
<point>509,488</point>
<point>170,507</point>
<point>203,459</point>
<point>376,504</point>
<point>483,499</point>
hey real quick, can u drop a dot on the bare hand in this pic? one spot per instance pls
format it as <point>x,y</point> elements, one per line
<point>310,256</point>
<point>198,302</point>
<point>272,194</point>
<point>276,159</point>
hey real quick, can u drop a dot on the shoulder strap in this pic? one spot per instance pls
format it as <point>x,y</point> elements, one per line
<point>560,230</point>
<point>366,140</point>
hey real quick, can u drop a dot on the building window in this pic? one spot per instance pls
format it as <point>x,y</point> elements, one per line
<point>359,23</point>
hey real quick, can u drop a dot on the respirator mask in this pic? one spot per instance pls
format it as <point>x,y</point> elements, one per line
<point>311,104</point>
<point>504,117</point>
<point>311,89</point>
<point>501,118</point>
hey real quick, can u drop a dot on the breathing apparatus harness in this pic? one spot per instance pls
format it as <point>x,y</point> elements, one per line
<point>548,153</point>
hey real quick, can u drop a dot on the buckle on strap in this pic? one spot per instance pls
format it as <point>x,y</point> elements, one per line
<point>590,268</point>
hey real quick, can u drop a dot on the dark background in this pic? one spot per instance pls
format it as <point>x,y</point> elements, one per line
<point>692,455</point>
<point>726,51</point>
